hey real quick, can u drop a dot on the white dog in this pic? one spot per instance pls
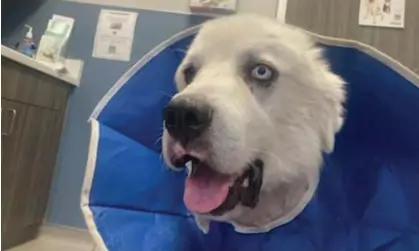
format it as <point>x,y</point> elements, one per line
<point>257,106</point>
<point>372,10</point>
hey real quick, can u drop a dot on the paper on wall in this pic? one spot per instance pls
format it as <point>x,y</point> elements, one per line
<point>228,5</point>
<point>52,46</point>
<point>281,10</point>
<point>382,13</point>
<point>114,35</point>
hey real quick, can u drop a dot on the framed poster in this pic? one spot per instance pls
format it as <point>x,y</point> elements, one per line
<point>382,13</point>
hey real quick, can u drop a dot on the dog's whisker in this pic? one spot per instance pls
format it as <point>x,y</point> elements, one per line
<point>159,140</point>
<point>162,161</point>
<point>165,93</point>
<point>181,50</point>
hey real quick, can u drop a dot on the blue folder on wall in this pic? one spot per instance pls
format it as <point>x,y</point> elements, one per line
<point>367,198</point>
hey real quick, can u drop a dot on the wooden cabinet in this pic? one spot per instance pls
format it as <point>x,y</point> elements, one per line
<point>33,108</point>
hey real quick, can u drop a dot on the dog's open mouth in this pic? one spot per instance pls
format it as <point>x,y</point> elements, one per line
<point>210,192</point>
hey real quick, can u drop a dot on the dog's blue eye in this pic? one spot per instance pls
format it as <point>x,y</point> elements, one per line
<point>262,72</point>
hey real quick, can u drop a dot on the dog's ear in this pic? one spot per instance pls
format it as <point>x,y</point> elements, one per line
<point>333,118</point>
<point>331,126</point>
<point>330,97</point>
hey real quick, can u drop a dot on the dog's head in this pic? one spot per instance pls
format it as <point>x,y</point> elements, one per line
<point>257,106</point>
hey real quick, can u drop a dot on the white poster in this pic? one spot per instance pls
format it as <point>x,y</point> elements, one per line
<point>228,5</point>
<point>114,35</point>
<point>382,13</point>
<point>281,10</point>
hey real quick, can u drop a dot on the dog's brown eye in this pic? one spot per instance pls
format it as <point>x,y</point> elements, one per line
<point>189,73</point>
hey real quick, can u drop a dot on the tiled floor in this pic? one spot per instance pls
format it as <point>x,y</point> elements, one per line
<point>59,240</point>
<point>52,245</point>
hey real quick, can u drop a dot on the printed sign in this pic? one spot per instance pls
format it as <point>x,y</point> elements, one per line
<point>115,35</point>
<point>382,13</point>
<point>227,5</point>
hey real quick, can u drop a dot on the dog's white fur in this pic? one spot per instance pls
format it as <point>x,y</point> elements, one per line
<point>287,124</point>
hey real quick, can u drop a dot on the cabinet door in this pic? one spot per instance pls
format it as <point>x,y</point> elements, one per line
<point>26,85</point>
<point>13,116</point>
<point>28,170</point>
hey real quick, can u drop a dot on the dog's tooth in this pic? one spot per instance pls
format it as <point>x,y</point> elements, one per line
<point>189,167</point>
<point>188,164</point>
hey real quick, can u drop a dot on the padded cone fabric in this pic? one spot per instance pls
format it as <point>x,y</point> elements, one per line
<point>367,198</point>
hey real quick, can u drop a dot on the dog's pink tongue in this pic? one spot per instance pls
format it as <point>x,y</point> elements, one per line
<point>206,190</point>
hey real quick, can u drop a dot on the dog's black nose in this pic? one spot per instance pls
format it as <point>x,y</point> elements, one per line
<point>186,120</point>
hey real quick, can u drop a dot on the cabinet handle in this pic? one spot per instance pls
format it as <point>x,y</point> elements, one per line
<point>12,122</point>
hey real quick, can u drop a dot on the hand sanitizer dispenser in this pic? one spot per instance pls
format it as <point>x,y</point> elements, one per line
<point>27,46</point>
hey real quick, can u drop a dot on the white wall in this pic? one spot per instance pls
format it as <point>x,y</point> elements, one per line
<point>262,7</point>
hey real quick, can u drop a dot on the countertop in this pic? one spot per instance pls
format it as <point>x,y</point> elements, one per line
<point>72,76</point>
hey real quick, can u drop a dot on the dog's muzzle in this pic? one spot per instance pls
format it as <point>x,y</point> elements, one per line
<point>187,119</point>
